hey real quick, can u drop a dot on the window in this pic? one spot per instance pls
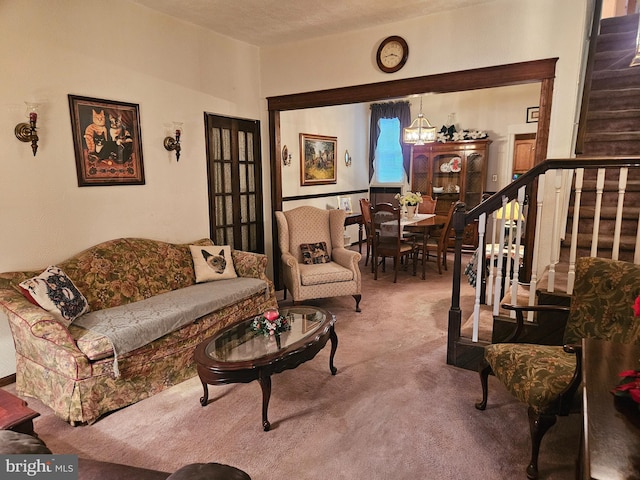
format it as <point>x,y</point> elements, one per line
<point>388,155</point>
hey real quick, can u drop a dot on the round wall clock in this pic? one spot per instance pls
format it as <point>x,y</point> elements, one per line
<point>392,54</point>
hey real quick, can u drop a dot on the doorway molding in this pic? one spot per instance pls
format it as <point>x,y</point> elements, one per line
<point>533,71</point>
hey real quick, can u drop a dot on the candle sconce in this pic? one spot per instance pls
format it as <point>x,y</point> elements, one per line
<point>27,132</point>
<point>347,158</point>
<point>286,156</point>
<point>173,143</point>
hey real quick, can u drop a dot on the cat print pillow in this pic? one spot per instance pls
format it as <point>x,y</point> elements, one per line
<point>212,262</point>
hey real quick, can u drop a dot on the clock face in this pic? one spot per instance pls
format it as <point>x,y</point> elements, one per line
<point>392,54</point>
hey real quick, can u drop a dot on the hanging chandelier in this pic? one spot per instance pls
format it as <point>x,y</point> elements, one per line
<point>420,131</point>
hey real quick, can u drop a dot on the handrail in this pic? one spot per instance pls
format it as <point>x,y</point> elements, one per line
<point>510,191</point>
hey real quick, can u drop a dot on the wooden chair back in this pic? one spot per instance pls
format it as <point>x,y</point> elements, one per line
<point>428,204</point>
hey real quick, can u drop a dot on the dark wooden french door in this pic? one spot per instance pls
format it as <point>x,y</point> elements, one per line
<point>234,173</point>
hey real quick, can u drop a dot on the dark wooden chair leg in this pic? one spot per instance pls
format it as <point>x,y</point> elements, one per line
<point>484,381</point>
<point>538,424</point>
<point>285,293</point>
<point>358,297</point>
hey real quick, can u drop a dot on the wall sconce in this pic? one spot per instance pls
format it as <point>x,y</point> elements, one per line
<point>286,156</point>
<point>171,143</point>
<point>347,158</point>
<point>26,132</point>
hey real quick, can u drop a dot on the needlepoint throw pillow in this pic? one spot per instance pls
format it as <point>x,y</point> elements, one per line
<point>212,262</point>
<point>314,253</point>
<point>56,293</point>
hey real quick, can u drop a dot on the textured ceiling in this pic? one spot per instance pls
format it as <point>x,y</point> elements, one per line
<point>270,22</point>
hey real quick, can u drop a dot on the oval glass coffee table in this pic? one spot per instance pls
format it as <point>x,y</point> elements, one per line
<point>237,354</point>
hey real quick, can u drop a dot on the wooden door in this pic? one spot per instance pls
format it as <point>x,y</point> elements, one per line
<point>234,172</point>
<point>524,151</point>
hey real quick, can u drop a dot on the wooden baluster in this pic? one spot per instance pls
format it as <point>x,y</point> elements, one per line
<point>533,285</point>
<point>622,185</point>
<point>596,215</point>
<point>555,234</point>
<point>573,249</point>
<point>482,225</point>
<point>518,213</point>
<point>498,282</point>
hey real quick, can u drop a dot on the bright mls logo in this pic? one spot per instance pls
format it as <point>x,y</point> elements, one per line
<point>50,467</point>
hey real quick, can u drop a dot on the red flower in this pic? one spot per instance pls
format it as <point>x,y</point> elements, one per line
<point>636,307</point>
<point>272,314</point>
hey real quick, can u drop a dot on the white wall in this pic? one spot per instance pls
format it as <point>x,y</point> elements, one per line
<point>350,125</point>
<point>497,33</point>
<point>123,52</point>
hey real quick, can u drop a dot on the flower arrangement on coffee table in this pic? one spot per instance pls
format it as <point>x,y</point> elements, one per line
<point>270,323</point>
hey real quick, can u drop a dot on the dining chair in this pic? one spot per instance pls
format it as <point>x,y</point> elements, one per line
<point>388,240</point>
<point>428,204</point>
<point>438,241</point>
<point>365,209</point>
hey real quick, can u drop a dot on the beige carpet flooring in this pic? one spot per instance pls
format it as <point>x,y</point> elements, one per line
<point>395,410</point>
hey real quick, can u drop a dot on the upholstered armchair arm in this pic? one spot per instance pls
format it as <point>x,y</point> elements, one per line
<point>38,335</point>
<point>520,309</point>
<point>346,258</point>
<point>565,399</point>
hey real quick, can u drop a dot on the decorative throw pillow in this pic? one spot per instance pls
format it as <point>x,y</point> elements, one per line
<point>314,253</point>
<point>212,262</point>
<point>56,293</point>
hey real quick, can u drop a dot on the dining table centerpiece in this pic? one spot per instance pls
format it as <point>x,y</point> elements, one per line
<point>409,202</point>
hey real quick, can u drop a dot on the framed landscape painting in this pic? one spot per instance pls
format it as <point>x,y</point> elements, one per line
<point>317,159</point>
<point>106,140</point>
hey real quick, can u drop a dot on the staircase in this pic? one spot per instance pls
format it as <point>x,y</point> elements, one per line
<point>611,125</point>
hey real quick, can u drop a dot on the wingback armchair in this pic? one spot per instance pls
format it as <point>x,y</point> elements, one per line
<point>547,377</point>
<point>310,271</point>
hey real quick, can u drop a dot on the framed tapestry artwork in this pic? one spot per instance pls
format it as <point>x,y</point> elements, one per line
<point>317,159</point>
<point>107,142</point>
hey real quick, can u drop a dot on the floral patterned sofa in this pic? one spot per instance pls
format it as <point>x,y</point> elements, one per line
<point>71,369</point>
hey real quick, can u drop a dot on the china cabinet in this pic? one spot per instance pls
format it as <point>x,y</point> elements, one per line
<point>450,171</point>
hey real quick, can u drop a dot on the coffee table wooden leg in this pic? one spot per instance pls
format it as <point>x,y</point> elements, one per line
<point>265,384</point>
<point>204,398</point>
<point>334,347</point>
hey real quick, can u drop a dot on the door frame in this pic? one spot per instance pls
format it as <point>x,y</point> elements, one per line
<point>534,71</point>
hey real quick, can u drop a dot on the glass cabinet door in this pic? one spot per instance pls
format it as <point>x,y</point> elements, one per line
<point>420,174</point>
<point>474,181</point>
<point>447,171</point>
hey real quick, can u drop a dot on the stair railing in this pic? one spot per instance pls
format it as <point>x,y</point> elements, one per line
<point>520,232</point>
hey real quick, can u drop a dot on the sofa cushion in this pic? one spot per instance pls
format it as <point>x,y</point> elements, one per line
<point>313,253</point>
<point>131,326</point>
<point>54,291</point>
<point>324,273</point>
<point>212,263</point>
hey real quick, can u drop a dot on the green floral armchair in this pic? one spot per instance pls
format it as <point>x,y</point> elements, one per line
<point>545,377</point>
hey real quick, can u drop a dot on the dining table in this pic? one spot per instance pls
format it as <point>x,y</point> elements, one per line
<point>423,224</point>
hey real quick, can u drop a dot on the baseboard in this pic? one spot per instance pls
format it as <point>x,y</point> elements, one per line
<point>8,380</point>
